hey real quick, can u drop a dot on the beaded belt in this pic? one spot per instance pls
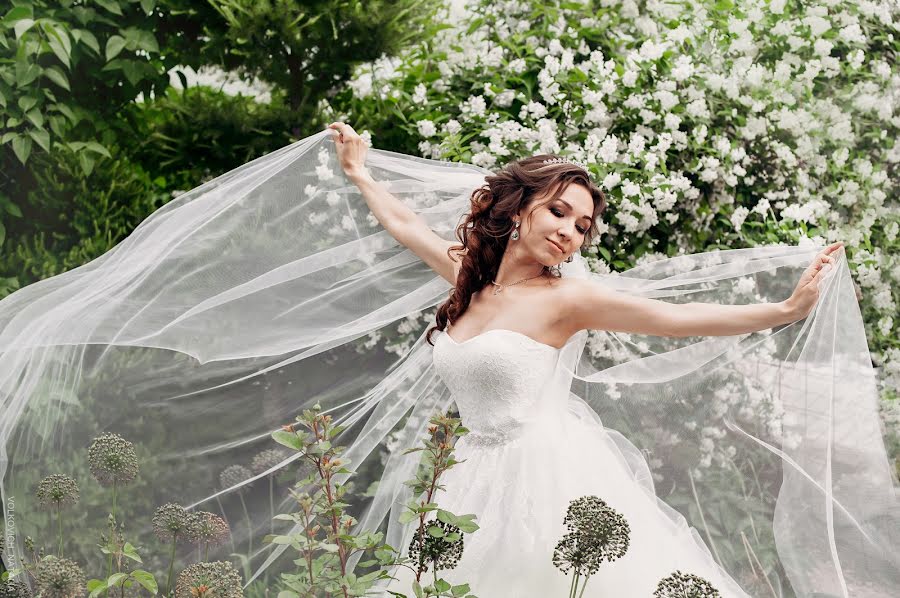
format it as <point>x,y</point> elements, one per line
<point>494,437</point>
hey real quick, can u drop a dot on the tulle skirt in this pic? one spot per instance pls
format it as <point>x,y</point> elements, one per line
<point>520,491</point>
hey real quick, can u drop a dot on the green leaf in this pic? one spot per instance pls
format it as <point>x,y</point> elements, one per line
<point>36,118</point>
<point>10,207</point>
<point>140,39</point>
<point>97,148</point>
<point>26,73</point>
<point>86,162</point>
<point>88,39</point>
<point>460,590</point>
<point>56,74</point>
<point>116,579</point>
<point>132,70</point>
<point>148,6</point>
<point>28,102</point>
<point>98,587</point>
<point>441,586</point>
<point>114,45</point>
<point>288,439</point>
<point>22,26</point>
<point>22,148</point>
<point>435,531</point>
<point>59,43</point>
<point>285,517</point>
<point>129,551</point>
<point>42,138</point>
<point>407,516</point>
<point>146,579</point>
<point>417,589</point>
<point>110,5</point>
<point>282,540</point>
<point>67,112</point>
<point>17,13</point>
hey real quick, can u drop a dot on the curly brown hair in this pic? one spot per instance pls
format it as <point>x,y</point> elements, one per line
<point>484,231</point>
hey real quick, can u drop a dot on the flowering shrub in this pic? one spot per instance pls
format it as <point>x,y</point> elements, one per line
<point>752,122</point>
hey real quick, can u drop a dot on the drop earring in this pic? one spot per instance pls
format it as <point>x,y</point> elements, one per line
<point>570,258</point>
<point>515,234</point>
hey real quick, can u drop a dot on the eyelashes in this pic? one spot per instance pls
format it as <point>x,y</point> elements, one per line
<point>557,213</point>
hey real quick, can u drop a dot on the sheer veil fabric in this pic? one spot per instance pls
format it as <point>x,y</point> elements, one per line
<point>271,288</point>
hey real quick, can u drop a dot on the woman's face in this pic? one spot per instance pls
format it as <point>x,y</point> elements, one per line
<point>553,232</point>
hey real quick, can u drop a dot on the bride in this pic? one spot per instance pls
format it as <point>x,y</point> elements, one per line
<point>726,412</point>
<point>508,318</point>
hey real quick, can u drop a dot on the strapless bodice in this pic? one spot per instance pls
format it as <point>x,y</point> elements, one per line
<point>498,380</point>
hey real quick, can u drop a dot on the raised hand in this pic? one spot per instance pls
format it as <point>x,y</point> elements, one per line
<point>806,293</point>
<point>351,149</point>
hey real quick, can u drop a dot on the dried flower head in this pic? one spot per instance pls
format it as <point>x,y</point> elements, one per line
<point>209,528</point>
<point>680,585</point>
<point>14,588</point>
<point>233,475</point>
<point>112,460</point>
<point>443,552</point>
<point>218,579</point>
<point>266,459</point>
<point>57,490</point>
<point>59,578</point>
<point>172,522</point>
<point>596,533</point>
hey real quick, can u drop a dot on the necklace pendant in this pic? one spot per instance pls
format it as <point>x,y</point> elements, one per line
<point>497,290</point>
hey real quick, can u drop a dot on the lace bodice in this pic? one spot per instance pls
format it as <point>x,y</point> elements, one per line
<point>498,379</point>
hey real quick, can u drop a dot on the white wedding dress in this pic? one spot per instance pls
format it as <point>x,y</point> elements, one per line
<point>531,450</point>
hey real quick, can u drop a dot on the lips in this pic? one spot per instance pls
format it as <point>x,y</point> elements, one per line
<point>556,245</point>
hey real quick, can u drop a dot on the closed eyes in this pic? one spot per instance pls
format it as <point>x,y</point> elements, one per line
<point>558,213</point>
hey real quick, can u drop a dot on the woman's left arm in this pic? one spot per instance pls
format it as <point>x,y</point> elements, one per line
<point>595,307</point>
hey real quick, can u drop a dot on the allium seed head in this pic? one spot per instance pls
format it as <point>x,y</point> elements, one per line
<point>172,522</point>
<point>233,475</point>
<point>112,459</point>
<point>57,490</point>
<point>441,553</point>
<point>218,579</point>
<point>60,578</point>
<point>266,459</point>
<point>210,528</point>
<point>685,584</point>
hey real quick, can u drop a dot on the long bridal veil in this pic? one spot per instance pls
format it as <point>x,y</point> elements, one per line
<point>271,288</point>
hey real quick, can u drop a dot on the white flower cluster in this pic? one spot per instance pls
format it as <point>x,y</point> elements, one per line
<point>765,122</point>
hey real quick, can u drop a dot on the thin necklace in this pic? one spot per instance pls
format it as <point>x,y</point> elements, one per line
<point>500,287</point>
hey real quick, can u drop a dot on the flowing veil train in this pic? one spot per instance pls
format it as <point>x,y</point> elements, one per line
<point>271,288</point>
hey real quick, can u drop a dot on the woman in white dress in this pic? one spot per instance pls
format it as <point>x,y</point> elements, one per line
<point>509,318</point>
<point>258,294</point>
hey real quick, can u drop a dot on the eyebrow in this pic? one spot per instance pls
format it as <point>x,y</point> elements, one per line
<point>570,207</point>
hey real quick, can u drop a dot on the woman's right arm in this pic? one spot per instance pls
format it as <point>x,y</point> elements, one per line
<point>402,223</point>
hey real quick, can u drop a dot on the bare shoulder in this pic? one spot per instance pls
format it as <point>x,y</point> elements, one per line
<point>575,299</point>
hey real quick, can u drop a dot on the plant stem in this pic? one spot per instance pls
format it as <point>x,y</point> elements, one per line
<point>703,520</point>
<point>271,506</point>
<point>225,517</point>
<point>59,522</point>
<point>249,526</point>
<point>584,586</point>
<point>171,565</point>
<point>112,531</point>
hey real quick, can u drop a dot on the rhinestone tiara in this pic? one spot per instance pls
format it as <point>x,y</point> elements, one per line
<point>565,161</point>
